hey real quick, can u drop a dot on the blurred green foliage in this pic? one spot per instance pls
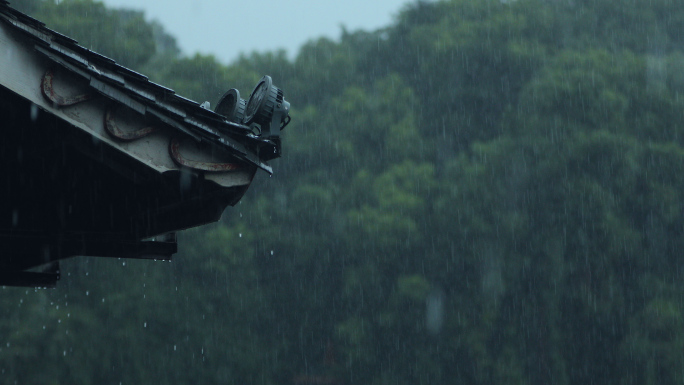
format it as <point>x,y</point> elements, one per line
<point>482,192</point>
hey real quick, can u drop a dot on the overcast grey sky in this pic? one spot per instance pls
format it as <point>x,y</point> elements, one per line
<point>226,28</point>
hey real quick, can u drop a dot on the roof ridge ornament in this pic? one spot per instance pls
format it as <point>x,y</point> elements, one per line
<point>268,110</point>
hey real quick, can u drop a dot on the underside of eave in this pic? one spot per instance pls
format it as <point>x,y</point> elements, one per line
<point>67,195</point>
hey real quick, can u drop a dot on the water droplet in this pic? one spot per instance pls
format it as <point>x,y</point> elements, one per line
<point>124,263</point>
<point>240,235</point>
<point>87,292</point>
<point>174,348</point>
<point>64,353</point>
<point>102,300</point>
<point>145,325</point>
<point>271,252</point>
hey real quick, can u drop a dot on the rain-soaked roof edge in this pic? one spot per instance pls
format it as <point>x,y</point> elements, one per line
<point>132,88</point>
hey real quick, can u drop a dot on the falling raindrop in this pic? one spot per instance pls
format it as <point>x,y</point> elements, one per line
<point>87,292</point>
<point>145,325</point>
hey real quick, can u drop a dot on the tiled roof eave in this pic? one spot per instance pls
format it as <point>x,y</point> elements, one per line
<point>136,91</point>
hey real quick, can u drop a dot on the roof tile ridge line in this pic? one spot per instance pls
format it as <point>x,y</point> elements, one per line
<point>35,27</point>
<point>120,79</point>
<point>191,119</point>
<point>8,10</point>
<point>112,75</point>
<point>101,87</point>
<point>45,35</point>
<point>197,132</point>
<point>49,36</point>
<point>92,65</point>
<point>35,32</point>
<point>141,91</point>
<point>52,38</point>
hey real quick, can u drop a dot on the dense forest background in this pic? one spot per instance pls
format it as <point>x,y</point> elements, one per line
<point>483,192</point>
